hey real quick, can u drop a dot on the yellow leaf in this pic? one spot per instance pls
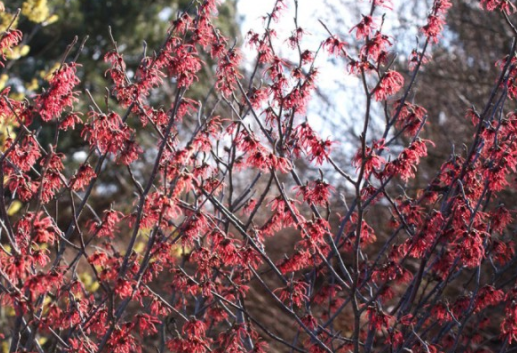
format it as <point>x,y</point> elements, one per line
<point>17,52</point>
<point>5,21</point>
<point>36,10</point>
<point>18,96</point>
<point>33,85</point>
<point>25,50</point>
<point>3,80</point>
<point>139,248</point>
<point>89,282</point>
<point>179,251</point>
<point>42,340</point>
<point>15,207</point>
<point>86,278</point>
<point>50,20</point>
<point>144,232</point>
<point>93,287</point>
<point>47,75</point>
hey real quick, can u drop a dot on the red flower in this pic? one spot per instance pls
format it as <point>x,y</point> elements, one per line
<point>503,252</point>
<point>108,133</point>
<point>417,57</point>
<point>501,5</point>
<point>377,319</point>
<point>334,45</point>
<point>295,293</point>
<point>123,288</point>
<point>384,3</point>
<point>406,162</point>
<point>410,118</point>
<point>147,324</point>
<point>227,73</point>
<point>488,296</point>
<point>23,186</point>
<point>184,64</point>
<point>25,154</point>
<point>307,57</point>
<point>389,84</point>
<point>121,341</point>
<point>364,28</point>
<point>373,162</point>
<point>60,94</point>
<point>441,312</point>
<point>9,40</point>
<point>298,261</point>
<point>194,328</point>
<point>434,27</point>
<point>108,226</point>
<point>376,46</point>
<point>82,178</point>
<point>296,37</point>
<point>501,217</point>
<point>317,192</point>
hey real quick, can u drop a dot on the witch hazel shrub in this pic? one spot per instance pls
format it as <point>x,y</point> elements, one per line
<point>224,230</point>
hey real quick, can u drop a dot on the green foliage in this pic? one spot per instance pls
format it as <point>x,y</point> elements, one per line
<point>132,22</point>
